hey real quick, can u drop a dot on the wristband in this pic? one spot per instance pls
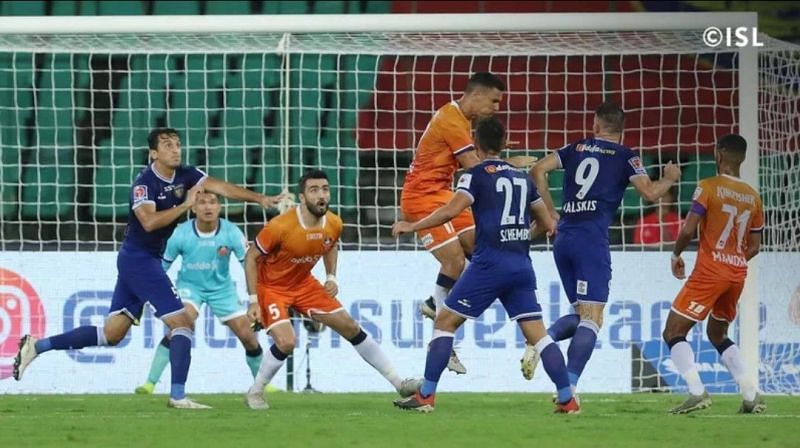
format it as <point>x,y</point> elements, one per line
<point>253,298</point>
<point>331,278</point>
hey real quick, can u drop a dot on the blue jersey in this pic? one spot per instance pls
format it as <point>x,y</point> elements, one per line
<point>596,173</point>
<point>206,258</point>
<point>501,204</point>
<point>150,188</point>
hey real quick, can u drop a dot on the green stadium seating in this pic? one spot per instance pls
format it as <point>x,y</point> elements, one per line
<point>64,8</point>
<point>49,184</point>
<point>330,7</point>
<point>219,7</point>
<point>26,8</point>
<point>176,7</point>
<point>121,8</point>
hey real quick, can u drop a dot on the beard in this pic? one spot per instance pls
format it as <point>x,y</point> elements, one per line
<point>316,209</point>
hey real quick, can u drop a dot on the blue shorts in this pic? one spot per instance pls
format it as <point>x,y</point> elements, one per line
<point>141,279</point>
<point>223,303</point>
<point>584,265</point>
<point>479,286</point>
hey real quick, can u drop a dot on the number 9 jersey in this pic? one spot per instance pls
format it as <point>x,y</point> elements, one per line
<point>596,173</point>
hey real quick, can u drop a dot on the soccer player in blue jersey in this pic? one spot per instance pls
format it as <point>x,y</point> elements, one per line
<point>205,245</point>
<point>502,200</point>
<point>162,193</point>
<point>596,172</point>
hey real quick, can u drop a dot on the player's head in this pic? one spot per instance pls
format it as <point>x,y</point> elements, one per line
<point>730,150</point>
<point>315,192</point>
<point>483,95</point>
<point>206,207</point>
<point>165,147</point>
<point>609,119</point>
<point>490,136</point>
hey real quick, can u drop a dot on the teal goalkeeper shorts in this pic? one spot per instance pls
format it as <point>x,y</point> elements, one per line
<point>223,303</point>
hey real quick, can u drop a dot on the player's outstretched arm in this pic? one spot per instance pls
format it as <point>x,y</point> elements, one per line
<point>238,193</point>
<point>152,220</point>
<point>445,213</point>
<point>650,190</point>
<point>251,277</point>
<point>687,232</point>
<point>539,175</point>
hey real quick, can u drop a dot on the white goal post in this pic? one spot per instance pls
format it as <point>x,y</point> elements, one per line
<point>489,35</point>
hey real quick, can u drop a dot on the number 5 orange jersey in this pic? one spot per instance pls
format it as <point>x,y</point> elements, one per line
<point>292,249</point>
<point>730,209</point>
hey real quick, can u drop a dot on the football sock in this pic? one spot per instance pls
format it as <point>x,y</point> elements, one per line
<point>180,357</point>
<point>253,358</point>
<point>80,337</point>
<point>553,361</point>
<point>443,286</point>
<point>439,351</point>
<point>732,358</point>
<point>683,358</point>
<point>270,364</point>
<point>160,361</point>
<point>564,327</point>
<point>371,352</point>
<point>580,349</point>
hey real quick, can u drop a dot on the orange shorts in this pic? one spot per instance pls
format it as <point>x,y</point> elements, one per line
<point>307,298</point>
<point>698,297</point>
<point>433,238</point>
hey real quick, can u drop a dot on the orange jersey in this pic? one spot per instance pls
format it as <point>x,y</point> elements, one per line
<point>291,249</point>
<point>448,134</point>
<point>730,209</point>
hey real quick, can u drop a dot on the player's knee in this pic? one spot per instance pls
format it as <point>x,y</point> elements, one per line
<point>593,313</point>
<point>716,335</point>
<point>113,335</point>
<point>285,343</point>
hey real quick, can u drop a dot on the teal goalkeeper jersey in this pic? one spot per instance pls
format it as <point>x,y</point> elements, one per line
<point>206,259</point>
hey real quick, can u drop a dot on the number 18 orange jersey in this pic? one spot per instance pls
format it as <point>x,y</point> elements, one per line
<point>448,134</point>
<point>731,210</point>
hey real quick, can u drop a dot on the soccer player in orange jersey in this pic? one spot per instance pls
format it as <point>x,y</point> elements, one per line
<point>445,146</point>
<point>278,271</point>
<point>729,214</point>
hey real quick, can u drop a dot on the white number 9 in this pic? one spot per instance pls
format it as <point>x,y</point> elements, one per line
<point>585,175</point>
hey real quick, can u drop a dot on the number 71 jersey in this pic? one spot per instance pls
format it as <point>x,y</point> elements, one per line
<point>731,210</point>
<point>596,173</point>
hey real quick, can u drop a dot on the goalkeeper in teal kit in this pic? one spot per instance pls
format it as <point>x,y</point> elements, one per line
<point>206,244</point>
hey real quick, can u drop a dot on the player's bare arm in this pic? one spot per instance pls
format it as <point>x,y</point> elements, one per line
<point>238,193</point>
<point>152,220</point>
<point>330,260</point>
<point>545,224</point>
<point>539,175</point>
<point>650,190</point>
<point>468,159</point>
<point>688,231</point>
<point>753,245</point>
<point>251,276</point>
<point>443,214</point>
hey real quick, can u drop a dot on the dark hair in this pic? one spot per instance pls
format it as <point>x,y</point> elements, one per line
<point>733,145</point>
<point>152,137</point>
<point>612,117</point>
<point>489,134</point>
<point>311,174</point>
<point>486,80</point>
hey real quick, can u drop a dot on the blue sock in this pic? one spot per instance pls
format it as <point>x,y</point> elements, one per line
<point>78,338</point>
<point>580,349</point>
<point>180,357</point>
<point>438,356</point>
<point>553,361</point>
<point>564,327</point>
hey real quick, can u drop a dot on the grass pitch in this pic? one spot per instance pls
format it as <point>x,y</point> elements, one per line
<point>370,420</point>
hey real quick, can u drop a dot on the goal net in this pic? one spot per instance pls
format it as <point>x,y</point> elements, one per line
<point>258,109</point>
